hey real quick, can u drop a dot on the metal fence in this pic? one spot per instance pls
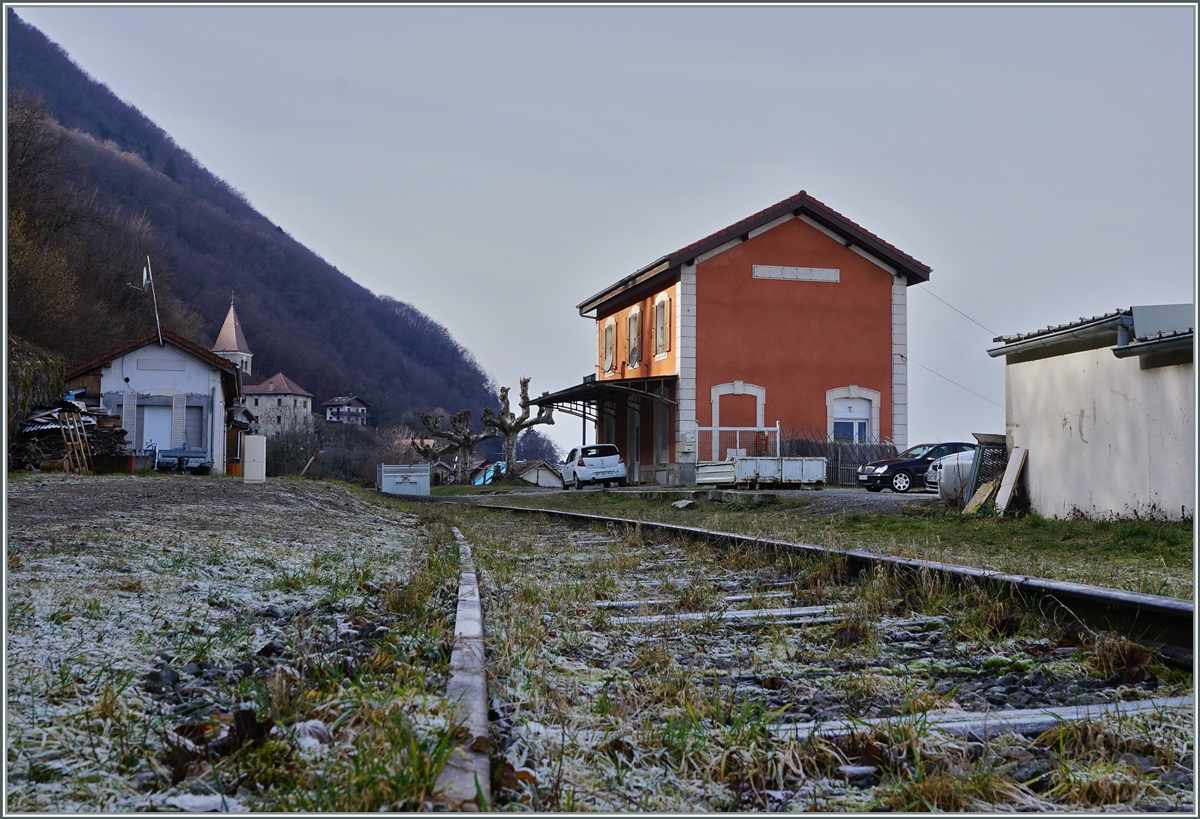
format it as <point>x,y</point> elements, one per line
<point>844,456</point>
<point>723,443</point>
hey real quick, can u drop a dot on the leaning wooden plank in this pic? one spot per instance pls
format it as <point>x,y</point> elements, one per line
<point>1012,473</point>
<point>466,781</point>
<point>980,497</point>
<point>980,725</point>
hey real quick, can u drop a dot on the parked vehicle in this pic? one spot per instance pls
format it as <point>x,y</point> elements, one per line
<point>598,463</point>
<point>907,470</point>
<point>948,476</point>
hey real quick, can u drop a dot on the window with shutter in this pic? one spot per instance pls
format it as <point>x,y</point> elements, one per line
<point>635,337</point>
<point>610,345</point>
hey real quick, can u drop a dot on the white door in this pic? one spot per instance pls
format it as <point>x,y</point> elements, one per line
<point>156,428</point>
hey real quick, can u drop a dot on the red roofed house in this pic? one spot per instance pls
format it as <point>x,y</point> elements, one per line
<point>281,405</point>
<point>794,316</point>
<point>170,393</point>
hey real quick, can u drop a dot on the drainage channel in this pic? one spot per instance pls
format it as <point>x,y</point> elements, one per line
<point>631,669</point>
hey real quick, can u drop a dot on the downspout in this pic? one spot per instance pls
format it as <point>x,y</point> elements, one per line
<point>212,422</point>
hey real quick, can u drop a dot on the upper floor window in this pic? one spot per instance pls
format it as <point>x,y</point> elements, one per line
<point>635,337</point>
<point>610,345</point>
<point>662,325</point>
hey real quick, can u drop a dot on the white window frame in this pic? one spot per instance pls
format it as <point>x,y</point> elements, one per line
<point>633,341</point>
<point>609,335</point>
<point>662,332</point>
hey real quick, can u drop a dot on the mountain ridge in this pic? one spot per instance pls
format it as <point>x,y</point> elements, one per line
<point>301,314</point>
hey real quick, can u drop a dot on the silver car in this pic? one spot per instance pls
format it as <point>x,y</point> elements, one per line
<point>948,476</point>
<point>597,463</point>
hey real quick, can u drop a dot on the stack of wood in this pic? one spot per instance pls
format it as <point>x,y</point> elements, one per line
<point>40,444</point>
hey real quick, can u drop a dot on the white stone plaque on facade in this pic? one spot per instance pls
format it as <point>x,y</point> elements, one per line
<point>797,274</point>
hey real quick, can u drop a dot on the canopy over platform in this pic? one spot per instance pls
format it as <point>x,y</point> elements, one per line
<point>584,400</point>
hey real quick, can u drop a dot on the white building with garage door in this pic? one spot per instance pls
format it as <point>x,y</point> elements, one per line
<point>171,394</point>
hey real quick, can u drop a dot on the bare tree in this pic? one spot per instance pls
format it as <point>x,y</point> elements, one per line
<point>428,448</point>
<point>511,425</point>
<point>460,435</point>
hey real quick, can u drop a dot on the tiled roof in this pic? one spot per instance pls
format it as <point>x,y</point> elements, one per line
<point>278,384</point>
<point>169,337</point>
<point>801,204</point>
<point>231,339</point>
<point>1082,322</point>
<point>342,400</point>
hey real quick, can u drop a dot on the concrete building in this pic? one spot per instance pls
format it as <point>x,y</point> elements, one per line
<point>795,317</point>
<point>1106,408</point>
<point>170,395</point>
<point>281,405</point>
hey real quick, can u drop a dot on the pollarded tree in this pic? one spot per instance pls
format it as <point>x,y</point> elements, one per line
<point>461,437</point>
<point>428,448</point>
<point>511,425</point>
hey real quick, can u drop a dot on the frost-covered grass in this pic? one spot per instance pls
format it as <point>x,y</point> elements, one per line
<point>692,715</point>
<point>173,639</point>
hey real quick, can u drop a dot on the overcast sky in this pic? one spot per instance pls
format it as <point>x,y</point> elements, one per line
<point>496,166</point>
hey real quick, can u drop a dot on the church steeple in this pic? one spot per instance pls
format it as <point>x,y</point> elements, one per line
<point>231,342</point>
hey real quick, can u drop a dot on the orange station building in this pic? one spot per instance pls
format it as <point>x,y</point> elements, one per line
<point>795,317</point>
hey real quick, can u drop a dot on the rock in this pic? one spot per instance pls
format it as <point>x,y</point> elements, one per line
<point>212,803</point>
<point>1188,761</point>
<point>1034,774</point>
<point>270,611</point>
<point>1137,762</point>
<point>162,680</point>
<point>1180,777</point>
<point>191,669</point>
<point>684,504</point>
<point>276,646</point>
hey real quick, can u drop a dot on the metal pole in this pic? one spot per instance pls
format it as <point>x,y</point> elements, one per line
<point>583,417</point>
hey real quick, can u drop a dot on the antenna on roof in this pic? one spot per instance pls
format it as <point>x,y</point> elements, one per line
<point>148,281</point>
<point>148,275</point>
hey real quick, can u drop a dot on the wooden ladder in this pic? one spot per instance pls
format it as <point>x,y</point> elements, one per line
<point>79,454</point>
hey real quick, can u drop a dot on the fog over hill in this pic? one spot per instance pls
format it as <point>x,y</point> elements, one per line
<point>300,314</point>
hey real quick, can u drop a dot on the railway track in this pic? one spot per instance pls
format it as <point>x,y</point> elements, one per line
<point>647,666</point>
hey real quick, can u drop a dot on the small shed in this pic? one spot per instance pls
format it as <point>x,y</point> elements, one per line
<point>1106,407</point>
<point>539,473</point>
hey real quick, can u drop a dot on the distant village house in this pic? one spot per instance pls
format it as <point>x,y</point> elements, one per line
<point>281,405</point>
<point>347,409</point>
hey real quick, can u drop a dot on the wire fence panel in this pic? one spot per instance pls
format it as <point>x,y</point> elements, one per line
<point>843,455</point>
<point>724,443</point>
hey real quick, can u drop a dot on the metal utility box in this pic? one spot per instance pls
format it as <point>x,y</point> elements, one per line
<point>254,459</point>
<point>402,479</point>
<point>743,470</point>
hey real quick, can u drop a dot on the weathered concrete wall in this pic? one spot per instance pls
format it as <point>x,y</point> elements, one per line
<point>1105,437</point>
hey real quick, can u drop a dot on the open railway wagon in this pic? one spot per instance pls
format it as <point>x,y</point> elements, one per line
<point>754,457</point>
<point>751,470</point>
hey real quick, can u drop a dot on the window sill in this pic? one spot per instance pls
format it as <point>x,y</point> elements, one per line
<point>662,357</point>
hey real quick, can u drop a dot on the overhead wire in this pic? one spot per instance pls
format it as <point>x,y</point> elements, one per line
<point>952,381</point>
<point>956,310</point>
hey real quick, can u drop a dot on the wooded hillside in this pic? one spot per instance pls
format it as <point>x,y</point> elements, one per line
<point>300,314</point>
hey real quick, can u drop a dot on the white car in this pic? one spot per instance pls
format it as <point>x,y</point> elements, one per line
<point>948,476</point>
<point>598,463</point>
